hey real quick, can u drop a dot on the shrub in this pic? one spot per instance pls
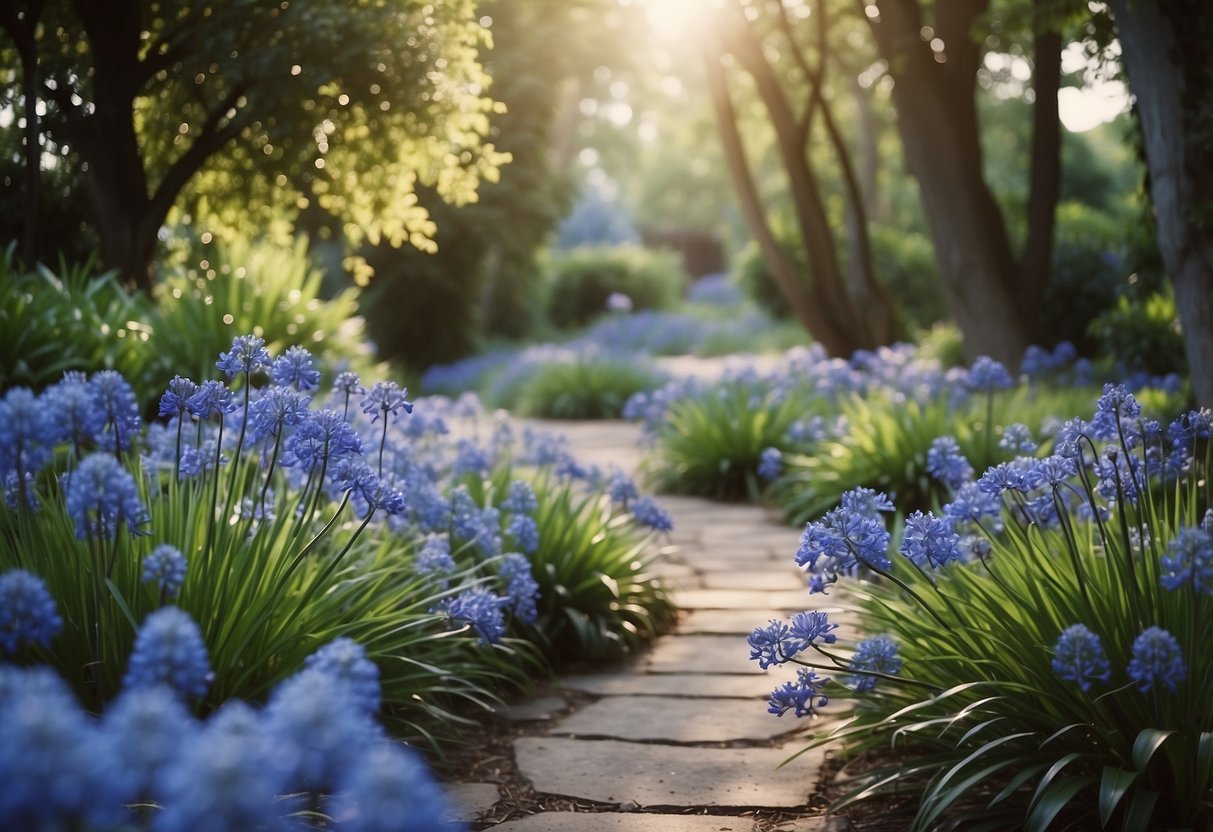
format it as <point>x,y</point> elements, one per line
<point>1142,335</point>
<point>755,280</point>
<point>592,385</point>
<point>76,320</point>
<point>1041,653</point>
<point>581,281</point>
<point>262,288</point>
<point>905,264</point>
<point>267,522</point>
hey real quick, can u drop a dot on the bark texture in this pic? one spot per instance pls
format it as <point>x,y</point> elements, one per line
<point>1166,54</point>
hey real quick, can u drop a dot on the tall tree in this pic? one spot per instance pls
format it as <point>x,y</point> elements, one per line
<point>1166,55</point>
<point>843,308</point>
<point>347,104</point>
<point>933,54</point>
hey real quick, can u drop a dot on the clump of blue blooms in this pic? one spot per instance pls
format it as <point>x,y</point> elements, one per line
<point>1189,559</point>
<point>770,464</point>
<point>520,587</point>
<point>648,513</point>
<point>1079,657</point>
<point>165,567</point>
<point>480,609</point>
<point>169,650</point>
<point>28,615</point>
<point>101,496</point>
<point>148,763</point>
<point>1157,661</point>
<point>876,655</point>
<point>803,697</point>
<point>248,353</point>
<point>294,368</point>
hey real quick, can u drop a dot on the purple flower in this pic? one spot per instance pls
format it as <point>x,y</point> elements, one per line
<point>874,655</point>
<point>212,398</point>
<point>294,369</point>
<point>522,591</point>
<point>100,495</point>
<point>117,410</point>
<point>481,609</point>
<point>803,696</point>
<point>165,566</point>
<point>384,399</point>
<point>345,660</point>
<point>248,353</point>
<point>169,650</point>
<point>175,400</point>
<point>987,375</point>
<point>322,437</point>
<point>773,644</point>
<point>520,498</point>
<point>930,540</point>
<point>1157,661</point>
<point>946,463</point>
<point>27,612</point>
<point>648,513</point>
<point>1189,560</point>
<point>1079,657</point>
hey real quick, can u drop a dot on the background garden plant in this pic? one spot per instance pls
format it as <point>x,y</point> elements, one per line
<point>1040,656</point>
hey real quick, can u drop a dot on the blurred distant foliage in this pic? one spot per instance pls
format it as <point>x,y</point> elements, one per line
<point>426,308</point>
<point>582,281</point>
<point>240,113</point>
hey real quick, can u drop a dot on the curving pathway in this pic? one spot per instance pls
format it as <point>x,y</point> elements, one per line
<point>678,740</point>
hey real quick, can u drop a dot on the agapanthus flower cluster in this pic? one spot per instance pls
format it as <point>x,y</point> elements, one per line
<point>101,495</point>
<point>243,768</point>
<point>521,588</point>
<point>480,609</point>
<point>876,655</point>
<point>930,541</point>
<point>28,615</point>
<point>1156,659</point>
<point>803,697</point>
<point>987,375</point>
<point>648,513</point>
<point>1189,559</point>
<point>294,369</point>
<point>165,567</point>
<point>1079,657</point>
<point>248,353</point>
<point>169,651</point>
<point>770,464</point>
<point>847,537</point>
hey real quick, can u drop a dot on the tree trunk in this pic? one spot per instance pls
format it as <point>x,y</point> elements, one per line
<point>934,95</point>
<point>1166,56</point>
<point>824,327</point>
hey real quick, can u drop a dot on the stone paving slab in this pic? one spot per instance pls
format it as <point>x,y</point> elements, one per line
<point>757,685</point>
<point>656,718</point>
<point>471,800</point>
<point>701,654</point>
<point>728,599</point>
<point>626,822</point>
<point>743,622</point>
<point>764,579</point>
<point>667,775</point>
<point>543,708</point>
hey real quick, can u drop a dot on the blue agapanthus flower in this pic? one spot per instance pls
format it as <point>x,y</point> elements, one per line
<point>212,398</point>
<point>435,561</point>
<point>520,498</point>
<point>169,650</point>
<point>874,655</point>
<point>648,513</point>
<point>147,727</point>
<point>866,501</point>
<point>770,464</point>
<point>812,626</point>
<point>24,441</point>
<point>946,462</point>
<point>175,400</point>
<point>101,495</point>
<point>389,789</point>
<point>622,489</point>
<point>27,612</point>
<point>274,410</point>
<point>117,410</point>
<point>841,541</point>
<point>803,696</point>
<point>385,399</point>
<point>481,609</point>
<point>930,541</point>
<point>345,660</point>
<point>294,369</point>
<point>228,778</point>
<point>521,588</point>
<point>56,771</point>
<point>165,567</point>
<point>1017,438</point>
<point>1189,560</point>
<point>1157,661</point>
<point>322,437</point>
<point>971,503</point>
<point>70,413</point>
<point>1114,413</point>
<point>774,644</point>
<point>524,532</point>
<point>1079,657</point>
<point>248,353</point>
<point>987,375</point>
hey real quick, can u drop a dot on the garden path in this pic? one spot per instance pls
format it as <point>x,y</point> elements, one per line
<point>679,739</point>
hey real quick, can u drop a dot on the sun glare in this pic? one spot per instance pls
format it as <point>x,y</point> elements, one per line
<point>672,19</point>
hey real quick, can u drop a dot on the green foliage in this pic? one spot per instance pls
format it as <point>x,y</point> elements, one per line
<point>1087,271</point>
<point>597,599</point>
<point>710,444</point>
<point>75,320</point>
<point>943,343</point>
<point>885,442</point>
<point>1142,335</point>
<point>581,280</point>
<point>986,730</point>
<point>752,275</point>
<point>905,265</point>
<point>264,288</point>
<point>590,386</point>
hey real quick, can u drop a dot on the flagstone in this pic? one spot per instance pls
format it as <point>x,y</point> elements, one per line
<point>701,654</point>
<point>666,775</point>
<point>658,718</point>
<point>543,708</point>
<point>471,800</point>
<point>625,822</point>
<point>763,579</point>
<point>758,684</point>
<point>730,599</point>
